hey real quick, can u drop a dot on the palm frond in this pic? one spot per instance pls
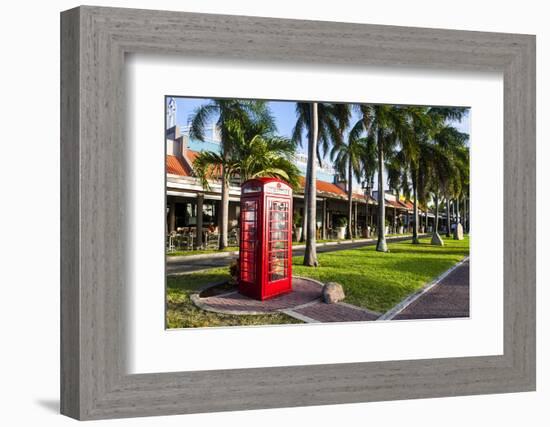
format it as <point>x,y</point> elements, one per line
<point>200,119</point>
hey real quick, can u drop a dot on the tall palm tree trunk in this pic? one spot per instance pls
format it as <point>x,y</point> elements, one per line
<point>381,245</point>
<point>457,218</point>
<point>310,255</point>
<point>302,238</point>
<point>466,216</point>
<point>350,200</point>
<point>224,211</point>
<point>436,219</point>
<point>367,234</point>
<point>415,240</point>
<point>448,231</point>
<point>436,238</point>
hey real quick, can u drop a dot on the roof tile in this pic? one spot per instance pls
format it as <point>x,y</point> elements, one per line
<point>177,166</point>
<point>182,167</point>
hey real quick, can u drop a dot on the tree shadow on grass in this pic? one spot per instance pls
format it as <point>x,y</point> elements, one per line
<point>381,285</point>
<point>194,281</point>
<point>427,248</point>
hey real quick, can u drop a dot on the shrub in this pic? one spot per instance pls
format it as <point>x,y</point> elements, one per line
<point>341,221</point>
<point>234,271</point>
<point>297,219</point>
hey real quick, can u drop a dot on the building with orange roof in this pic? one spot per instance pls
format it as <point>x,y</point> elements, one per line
<point>186,198</point>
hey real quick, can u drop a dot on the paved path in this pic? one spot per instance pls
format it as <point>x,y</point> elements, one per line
<point>303,291</point>
<point>339,312</point>
<point>449,298</point>
<point>446,298</point>
<point>303,303</point>
<point>188,264</point>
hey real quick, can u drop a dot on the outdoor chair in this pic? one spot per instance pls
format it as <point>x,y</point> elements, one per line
<point>170,241</point>
<point>212,241</point>
<point>184,241</point>
<point>233,238</point>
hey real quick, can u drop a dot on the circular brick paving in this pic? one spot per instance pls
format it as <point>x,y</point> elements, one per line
<point>303,291</point>
<point>449,297</point>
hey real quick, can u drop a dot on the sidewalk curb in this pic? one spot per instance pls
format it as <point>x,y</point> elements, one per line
<point>198,301</point>
<point>179,258</point>
<point>233,254</point>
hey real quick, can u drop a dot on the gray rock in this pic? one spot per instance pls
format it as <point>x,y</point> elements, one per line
<point>437,240</point>
<point>333,292</point>
<point>459,232</point>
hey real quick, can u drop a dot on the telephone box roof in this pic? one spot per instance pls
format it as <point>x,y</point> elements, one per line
<point>265,180</point>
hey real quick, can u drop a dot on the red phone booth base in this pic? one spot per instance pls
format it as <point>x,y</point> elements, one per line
<point>245,290</point>
<point>265,250</point>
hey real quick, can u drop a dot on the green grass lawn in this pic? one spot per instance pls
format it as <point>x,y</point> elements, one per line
<point>371,279</point>
<point>182,313</point>
<point>378,281</point>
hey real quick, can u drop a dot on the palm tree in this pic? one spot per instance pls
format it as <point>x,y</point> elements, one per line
<point>453,142</point>
<point>387,125</point>
<point>421,127</point>
<point>440,170</point>
<point>257,152</point>
<point>225,111</point>
<point>348,160</point>
<point>446,114</point>
<point>323,126</point>
<point>461,154</point>
<point>448,213</point>
<point>263,154</point>
<point>369,166</point>
<point>398,172</point>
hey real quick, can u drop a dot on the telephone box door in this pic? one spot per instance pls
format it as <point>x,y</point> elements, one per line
<point>266,238</point>
<point>278,250</point>
<point>249,240</point>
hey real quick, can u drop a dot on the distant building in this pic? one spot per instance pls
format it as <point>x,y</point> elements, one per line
<point>185,195</point>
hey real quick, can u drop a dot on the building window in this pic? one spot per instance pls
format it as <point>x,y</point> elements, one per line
<point>209,213</point>
<point>186,213</point>
<point>190,214</point>
<point>180,215</point>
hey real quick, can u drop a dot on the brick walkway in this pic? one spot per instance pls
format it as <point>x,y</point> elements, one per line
<point>449,298</point>
<point>340,312</point>
<point>304,291</point>
<point>304,303</point>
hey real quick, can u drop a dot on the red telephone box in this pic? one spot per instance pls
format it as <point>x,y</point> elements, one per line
<point>265,253</point>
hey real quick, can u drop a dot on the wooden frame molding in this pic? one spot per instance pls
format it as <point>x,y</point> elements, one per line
<point>94,41</point>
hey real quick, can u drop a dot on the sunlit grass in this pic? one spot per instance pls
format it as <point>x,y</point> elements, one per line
<point>377,280</point>
<point>182,313</point>
<point>371,279</point>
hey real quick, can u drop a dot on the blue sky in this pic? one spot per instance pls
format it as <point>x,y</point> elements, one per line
<point>284,113</point>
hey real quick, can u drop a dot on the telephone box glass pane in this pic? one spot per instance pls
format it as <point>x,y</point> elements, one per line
<point>249,212</point>
<point>278,234</point>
